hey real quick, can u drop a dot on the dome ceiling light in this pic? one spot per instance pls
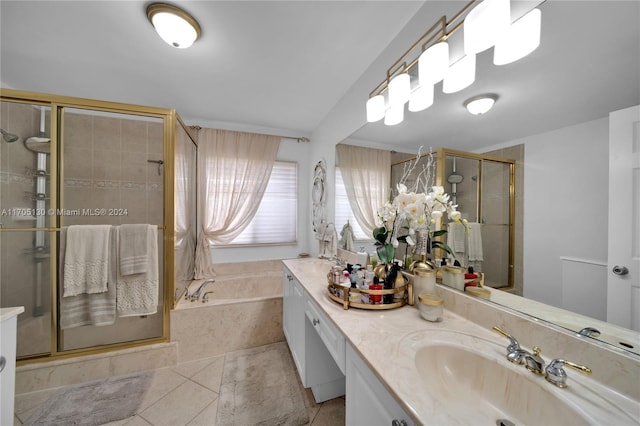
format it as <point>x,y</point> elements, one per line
<point>480,104</point>
<point>175,26</point>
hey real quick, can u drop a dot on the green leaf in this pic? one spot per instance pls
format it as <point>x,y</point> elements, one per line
<point>386,253</point>
<point>380,235</point>
<point>440,232</point>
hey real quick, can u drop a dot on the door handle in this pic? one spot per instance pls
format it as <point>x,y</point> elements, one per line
<point>620,270</point>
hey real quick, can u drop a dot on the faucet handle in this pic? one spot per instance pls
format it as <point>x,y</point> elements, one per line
<point>514,346</point>
<point>554,373</point>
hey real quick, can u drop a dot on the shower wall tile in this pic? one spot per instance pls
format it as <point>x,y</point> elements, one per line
<point>156,135</point>
<point>135,166</point>
<point>78,131</point>
<point>107,165</point>
<point>155,207</point>
<point>134,136</point>
<point>134,200</point>
<point>78,163</point>
<point>107,133</point>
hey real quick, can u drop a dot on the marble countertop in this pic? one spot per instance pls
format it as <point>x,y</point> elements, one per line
<point>388,340</point>
<point>6,313</point>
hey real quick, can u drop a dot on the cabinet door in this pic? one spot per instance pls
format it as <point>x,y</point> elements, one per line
<point>287,306</point>
<point>293,320</point>
<point>368,403</point>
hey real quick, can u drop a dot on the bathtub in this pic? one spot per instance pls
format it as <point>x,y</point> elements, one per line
<point>243,311</point>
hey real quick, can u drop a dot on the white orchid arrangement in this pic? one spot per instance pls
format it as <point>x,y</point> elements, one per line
<point>414,210</point>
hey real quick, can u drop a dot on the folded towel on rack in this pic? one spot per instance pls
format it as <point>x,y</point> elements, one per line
<point>456,236</point>
<point>86,260</point>
<point>137,294</point>
<point>474,235</point>
<point>89,309</point>
<point>133,249</point>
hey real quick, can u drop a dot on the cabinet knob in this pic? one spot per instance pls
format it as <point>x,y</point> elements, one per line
<point>289,277</point>
<point>316,321</point>
<point>396,422</point>
<point>620,270</point>
<point>3,362</point>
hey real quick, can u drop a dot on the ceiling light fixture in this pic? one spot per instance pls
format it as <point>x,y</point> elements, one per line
<point>480,104</point>
<point>175,26</point>
<point>485,25</point>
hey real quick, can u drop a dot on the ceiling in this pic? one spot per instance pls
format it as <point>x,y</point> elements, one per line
<point>587,65</point>
<point>285,65</point>
<point>274,64</point>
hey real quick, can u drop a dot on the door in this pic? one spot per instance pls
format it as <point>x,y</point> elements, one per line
<point>623,279</point>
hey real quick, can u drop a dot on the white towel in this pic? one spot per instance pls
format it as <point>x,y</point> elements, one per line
<point>86,260</point>
<point>346,242</point>
<point>138,294</point>
<point>456,236</point>
<point>89,309</point>
<point>133,249</point>
<point>475,242</point>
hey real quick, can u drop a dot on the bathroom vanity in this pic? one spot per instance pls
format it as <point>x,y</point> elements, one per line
<point>394,366</point>
<point>8,324</point>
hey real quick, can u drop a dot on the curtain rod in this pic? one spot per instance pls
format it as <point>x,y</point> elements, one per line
<point>295,138</point>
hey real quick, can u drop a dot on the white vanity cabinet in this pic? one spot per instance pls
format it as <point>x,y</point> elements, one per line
<point>368,403</point>
<point>318,348</point>
<point>293,323</point>
<point>8,326</point>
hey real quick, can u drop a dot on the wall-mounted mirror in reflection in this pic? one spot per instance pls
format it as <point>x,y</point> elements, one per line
<point>552,118</point>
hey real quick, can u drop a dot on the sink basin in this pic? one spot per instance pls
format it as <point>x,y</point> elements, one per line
<point>477,387</point>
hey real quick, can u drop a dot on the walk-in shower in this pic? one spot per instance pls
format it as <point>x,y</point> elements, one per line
<point>81,162</point>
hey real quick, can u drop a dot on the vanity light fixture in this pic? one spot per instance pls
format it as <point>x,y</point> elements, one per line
<point>480,104</point>
<point>486,23</point>
<point>175,26</point>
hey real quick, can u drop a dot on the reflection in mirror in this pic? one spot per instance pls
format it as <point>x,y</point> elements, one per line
<point>554,105</point>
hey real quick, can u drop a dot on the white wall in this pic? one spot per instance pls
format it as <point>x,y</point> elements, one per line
<point>566,176</point>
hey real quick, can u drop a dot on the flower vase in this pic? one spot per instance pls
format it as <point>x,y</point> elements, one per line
<point>423,248</point>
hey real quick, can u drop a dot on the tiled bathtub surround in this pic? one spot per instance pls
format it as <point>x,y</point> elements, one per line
<point>244,311</point>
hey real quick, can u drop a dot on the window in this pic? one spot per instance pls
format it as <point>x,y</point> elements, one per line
<point>343,210</point>
<point>275,221</point>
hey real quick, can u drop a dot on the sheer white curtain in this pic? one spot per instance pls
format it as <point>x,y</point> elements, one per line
<point>233,172</point>
<point>185,206</point>
<point>367,175</point>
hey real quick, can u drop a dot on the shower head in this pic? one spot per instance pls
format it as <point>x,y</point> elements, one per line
<point>9,137</point>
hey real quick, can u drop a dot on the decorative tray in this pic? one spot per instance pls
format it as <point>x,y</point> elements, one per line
<point>402,296</point>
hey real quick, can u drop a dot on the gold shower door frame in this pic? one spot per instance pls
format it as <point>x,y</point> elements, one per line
<point>441,179</point>
<point>170,120</point>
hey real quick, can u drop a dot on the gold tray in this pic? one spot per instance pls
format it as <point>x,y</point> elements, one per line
<point>346,304</point>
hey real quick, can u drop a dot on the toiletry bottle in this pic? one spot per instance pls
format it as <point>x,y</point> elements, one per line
<point>390,281</point>
<point>399,283</point>
<point>375,299</point>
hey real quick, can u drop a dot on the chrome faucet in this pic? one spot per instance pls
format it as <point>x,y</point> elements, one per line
<point>534,362</point>
<point>554,373</point>
<point>589,332</point>
<point>196,294</point>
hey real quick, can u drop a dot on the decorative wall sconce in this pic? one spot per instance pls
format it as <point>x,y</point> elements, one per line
<point>486,25</point>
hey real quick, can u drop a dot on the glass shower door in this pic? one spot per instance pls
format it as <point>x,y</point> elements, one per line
<point>25,236</point>
<point>112,174</point>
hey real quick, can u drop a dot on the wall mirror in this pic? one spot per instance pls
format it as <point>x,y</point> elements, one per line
<point>574,77</point>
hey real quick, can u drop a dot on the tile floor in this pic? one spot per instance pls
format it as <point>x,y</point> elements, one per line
<point>186,394</point>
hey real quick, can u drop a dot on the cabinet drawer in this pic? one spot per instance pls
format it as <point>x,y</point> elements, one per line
<point>331,337</point>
